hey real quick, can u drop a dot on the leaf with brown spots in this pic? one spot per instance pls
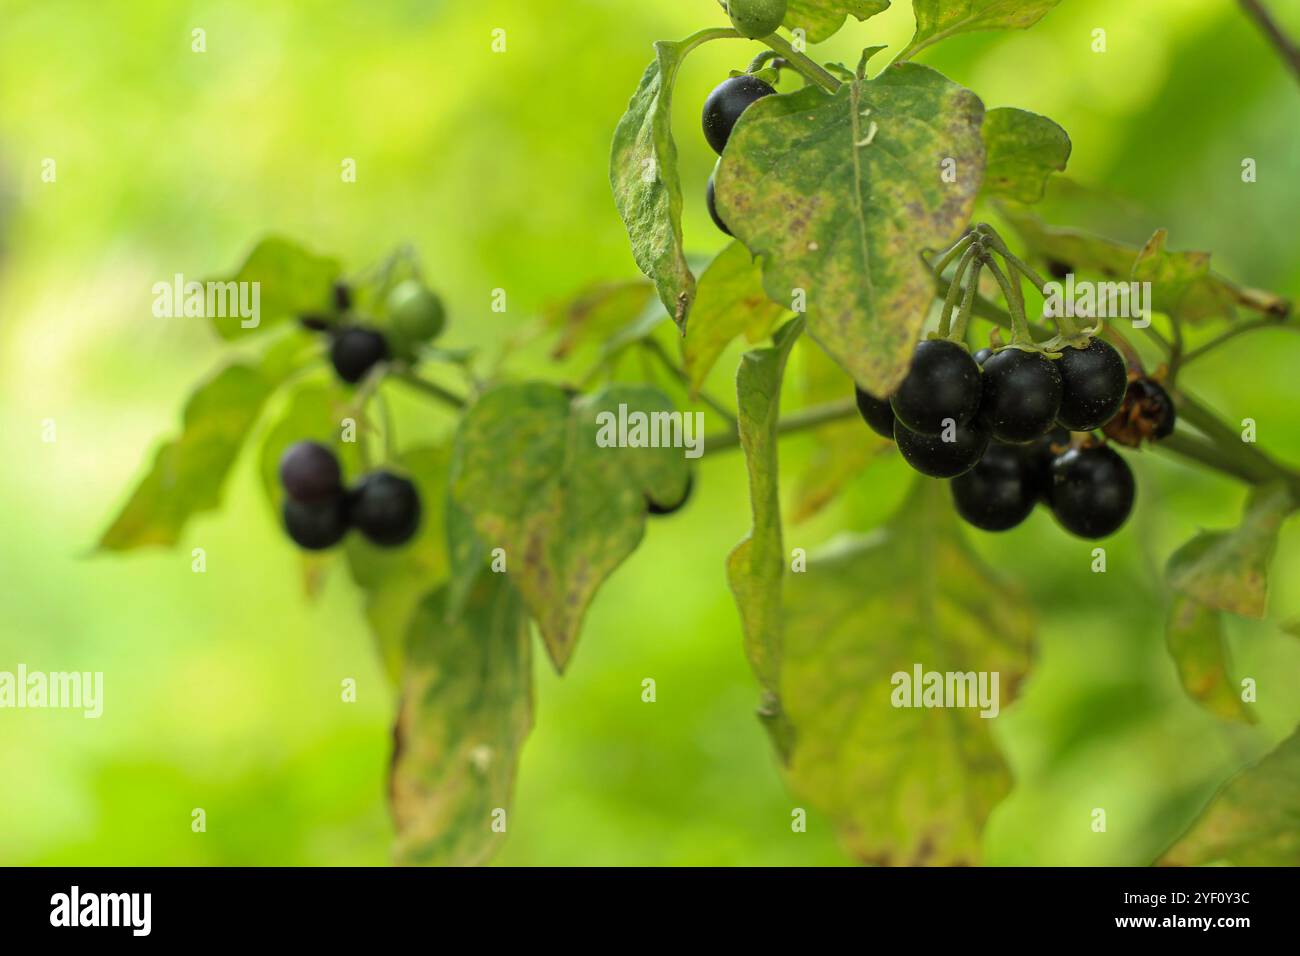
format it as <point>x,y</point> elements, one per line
<point>1253,821</point>
<point>1023,149</point>
<point>529,477</point>
<point>837,195</point>
<point>1228,570</point>
<point>466,708</point>
<point>904,786</point>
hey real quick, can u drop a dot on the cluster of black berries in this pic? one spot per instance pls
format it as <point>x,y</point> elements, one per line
<point>722,110</point>
<point>415,315</point>
<point>998,423</point>
<point>319,510</point>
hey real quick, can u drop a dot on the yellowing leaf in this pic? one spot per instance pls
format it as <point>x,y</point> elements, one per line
<point>904,786</point>
<point>531,478</point>
<point>1199,647</point>
<point>466,708</point>
<point>1253,821</point>
<point>837,195</point>
<point>1228,570</point>
<point>730,302</point>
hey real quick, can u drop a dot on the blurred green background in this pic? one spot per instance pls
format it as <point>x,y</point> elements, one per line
<point>222,688</point>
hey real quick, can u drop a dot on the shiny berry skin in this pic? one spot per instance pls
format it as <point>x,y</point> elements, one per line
<point>386,509</point>
<point>1000,491</point>
<point>931,455</point>
<point>724,105</point>
<point>877,413</point>
<point>310,472</point>
<point>654,508</point>
<point>1094,380</point>
<point>710,199</point>
<point>1092,491</point>
<point>1022,394</point>
<point>316,525</point>
<point>356,351</point>
<point>943,383</point>
<point>982,356</point>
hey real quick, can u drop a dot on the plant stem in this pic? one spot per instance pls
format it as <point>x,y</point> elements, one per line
<point>704,36</point>
<point>432,389</point>
<point>1286,47</point>
<point>804,64</point>
<point>655,348</point>
<point>801,420</point>
<point>955,287</point>
<point>1020,334</point>
<point>1239,329</point>
<point>1204,453</point>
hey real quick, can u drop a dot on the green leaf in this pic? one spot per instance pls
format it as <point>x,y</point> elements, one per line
<point>397,580</point>
<point>528,472</point>
<point>1228,570</point>
<point>1199,647</point>
<point>837,196</point>
<point>647,190</point>
<point>822,19</point>
<point>939,19</point>
<point>756,567</point>
<point>189,472</point>
<point>1022,150</point>
<point>1182,284</point>
<point>1253,821</point>
<point>731,302</point>
<point>596,313</point>
<point>1078,251</point>
<point>466,708</point>
<point>906,786</point>
<point>290,280</point>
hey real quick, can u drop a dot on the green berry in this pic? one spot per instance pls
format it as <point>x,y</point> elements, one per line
<point>756,18</point>
<point>414,313</point>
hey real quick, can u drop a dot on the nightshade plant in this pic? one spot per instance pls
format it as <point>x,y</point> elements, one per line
<point>855,203</point>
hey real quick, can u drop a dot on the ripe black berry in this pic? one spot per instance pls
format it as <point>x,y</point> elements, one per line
<point>931,455</point>
<point>316,525</point>
<point>355,351</point>
<point>877,413</point>
<point>1147,414</point>
<point>724,105</point>
<point>943,383</point>
<point>1022,394</point>
<point>654,508</point>
<point>982,355</point>
<point>309,472</point>
<point>1094,380</point>
<point>1039,457</point>
<point>1000,491</point>
<point>386,508</point>
<point>710,199</point>
<point>1092,491</point>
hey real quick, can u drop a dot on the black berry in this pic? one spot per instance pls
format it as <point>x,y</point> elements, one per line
<point>316,525</point>
<point>654,508</point>
<point>356,351</point>
<point>710,199</point>
<point>876,412</point>
<point>1039,456</point>
<point>943,384</point>
<point>386,509</point>
<point>1022,394</point>
<point>931,455</point>
<point>1092,491</point>
<point>1094,381</point>
<point>724,105</point>
<point>1000,491</point>
<point>982,355</point>
<point>309,472</point>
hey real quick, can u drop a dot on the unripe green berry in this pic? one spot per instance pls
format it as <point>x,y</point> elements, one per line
<point>756,18</point>
<point>414,313</point>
